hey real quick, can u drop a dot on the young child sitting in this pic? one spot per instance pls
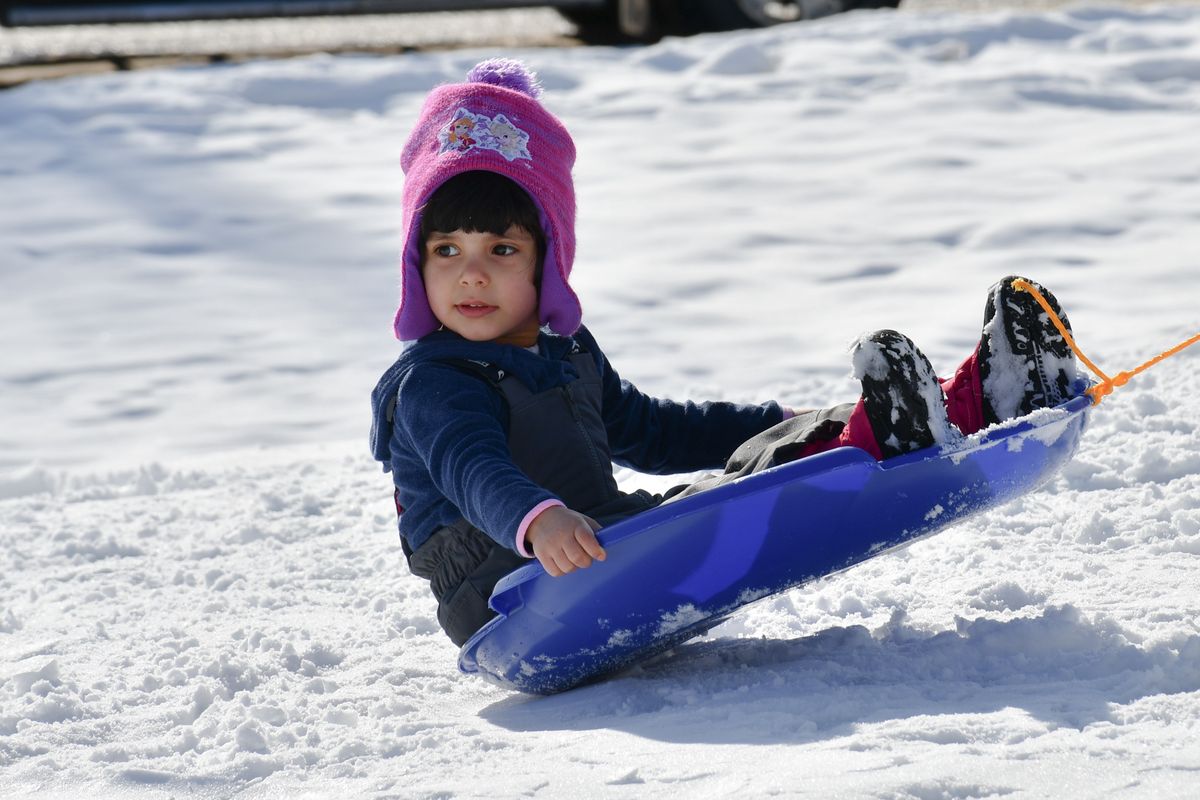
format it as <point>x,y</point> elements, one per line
<point>501,420</point>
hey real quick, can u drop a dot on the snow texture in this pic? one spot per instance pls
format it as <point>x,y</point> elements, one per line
<point>201,590</point>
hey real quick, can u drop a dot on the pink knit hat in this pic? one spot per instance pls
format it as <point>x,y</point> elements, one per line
<point>492,122</point>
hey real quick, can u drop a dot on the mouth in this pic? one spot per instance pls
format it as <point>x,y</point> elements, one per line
<point>474,309</point>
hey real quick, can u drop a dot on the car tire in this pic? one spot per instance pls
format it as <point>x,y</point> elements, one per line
<point>622,21</point>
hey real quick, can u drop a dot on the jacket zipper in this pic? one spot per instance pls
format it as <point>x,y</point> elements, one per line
<point>591,447</point>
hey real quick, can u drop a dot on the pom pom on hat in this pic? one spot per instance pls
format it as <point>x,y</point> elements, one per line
<point>507,73</point>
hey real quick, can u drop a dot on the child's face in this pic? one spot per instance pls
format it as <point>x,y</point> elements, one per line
<point>480,285</point>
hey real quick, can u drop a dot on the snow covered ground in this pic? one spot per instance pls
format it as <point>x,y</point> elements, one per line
<point>201,591</point>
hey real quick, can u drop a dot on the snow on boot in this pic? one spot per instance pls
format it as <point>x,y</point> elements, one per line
<point>1024,362</point>
<point>902,398</point>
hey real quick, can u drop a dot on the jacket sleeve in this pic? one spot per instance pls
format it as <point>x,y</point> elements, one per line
<point>664,436</point>
<point>454,421</point>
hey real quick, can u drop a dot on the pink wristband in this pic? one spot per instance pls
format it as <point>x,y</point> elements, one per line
<point>528,520</point>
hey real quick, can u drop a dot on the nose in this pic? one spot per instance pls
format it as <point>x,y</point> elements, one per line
<point>473,274</point>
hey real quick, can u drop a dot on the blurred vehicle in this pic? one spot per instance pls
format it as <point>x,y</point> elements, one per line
<point>597,20</point>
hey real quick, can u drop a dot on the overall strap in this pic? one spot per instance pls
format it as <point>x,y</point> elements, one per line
<point>484,369</point>
<point>516,393</point>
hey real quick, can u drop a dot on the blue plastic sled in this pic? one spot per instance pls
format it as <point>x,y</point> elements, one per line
<point>677,570</point>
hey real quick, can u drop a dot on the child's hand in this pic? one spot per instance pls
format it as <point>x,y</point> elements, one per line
<point>564,540</point>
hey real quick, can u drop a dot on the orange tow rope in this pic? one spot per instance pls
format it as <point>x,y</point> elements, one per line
<point>1105,386</point>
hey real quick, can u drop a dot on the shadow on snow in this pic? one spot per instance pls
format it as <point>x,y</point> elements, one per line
<point>1059,668</point>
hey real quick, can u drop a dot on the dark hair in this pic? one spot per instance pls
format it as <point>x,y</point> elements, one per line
<point>482,202</point>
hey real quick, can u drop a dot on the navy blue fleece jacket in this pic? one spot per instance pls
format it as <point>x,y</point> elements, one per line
<point>442,431</point>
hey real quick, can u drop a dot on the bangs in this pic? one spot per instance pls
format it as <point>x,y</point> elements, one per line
<point>480,202</point>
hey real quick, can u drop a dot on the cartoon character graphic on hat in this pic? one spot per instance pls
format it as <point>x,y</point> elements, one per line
<point>468,130</point>
<point>510,141</point>
<point>459,135</point>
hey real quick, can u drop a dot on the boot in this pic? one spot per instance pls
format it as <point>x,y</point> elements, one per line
<point>901,396</point>
<point>1024,362</point>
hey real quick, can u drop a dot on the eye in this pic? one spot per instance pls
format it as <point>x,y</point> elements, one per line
<point>504,250</point>
<point>445,250</point>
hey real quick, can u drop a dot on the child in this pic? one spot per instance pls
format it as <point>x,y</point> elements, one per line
<point>501,420</point>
